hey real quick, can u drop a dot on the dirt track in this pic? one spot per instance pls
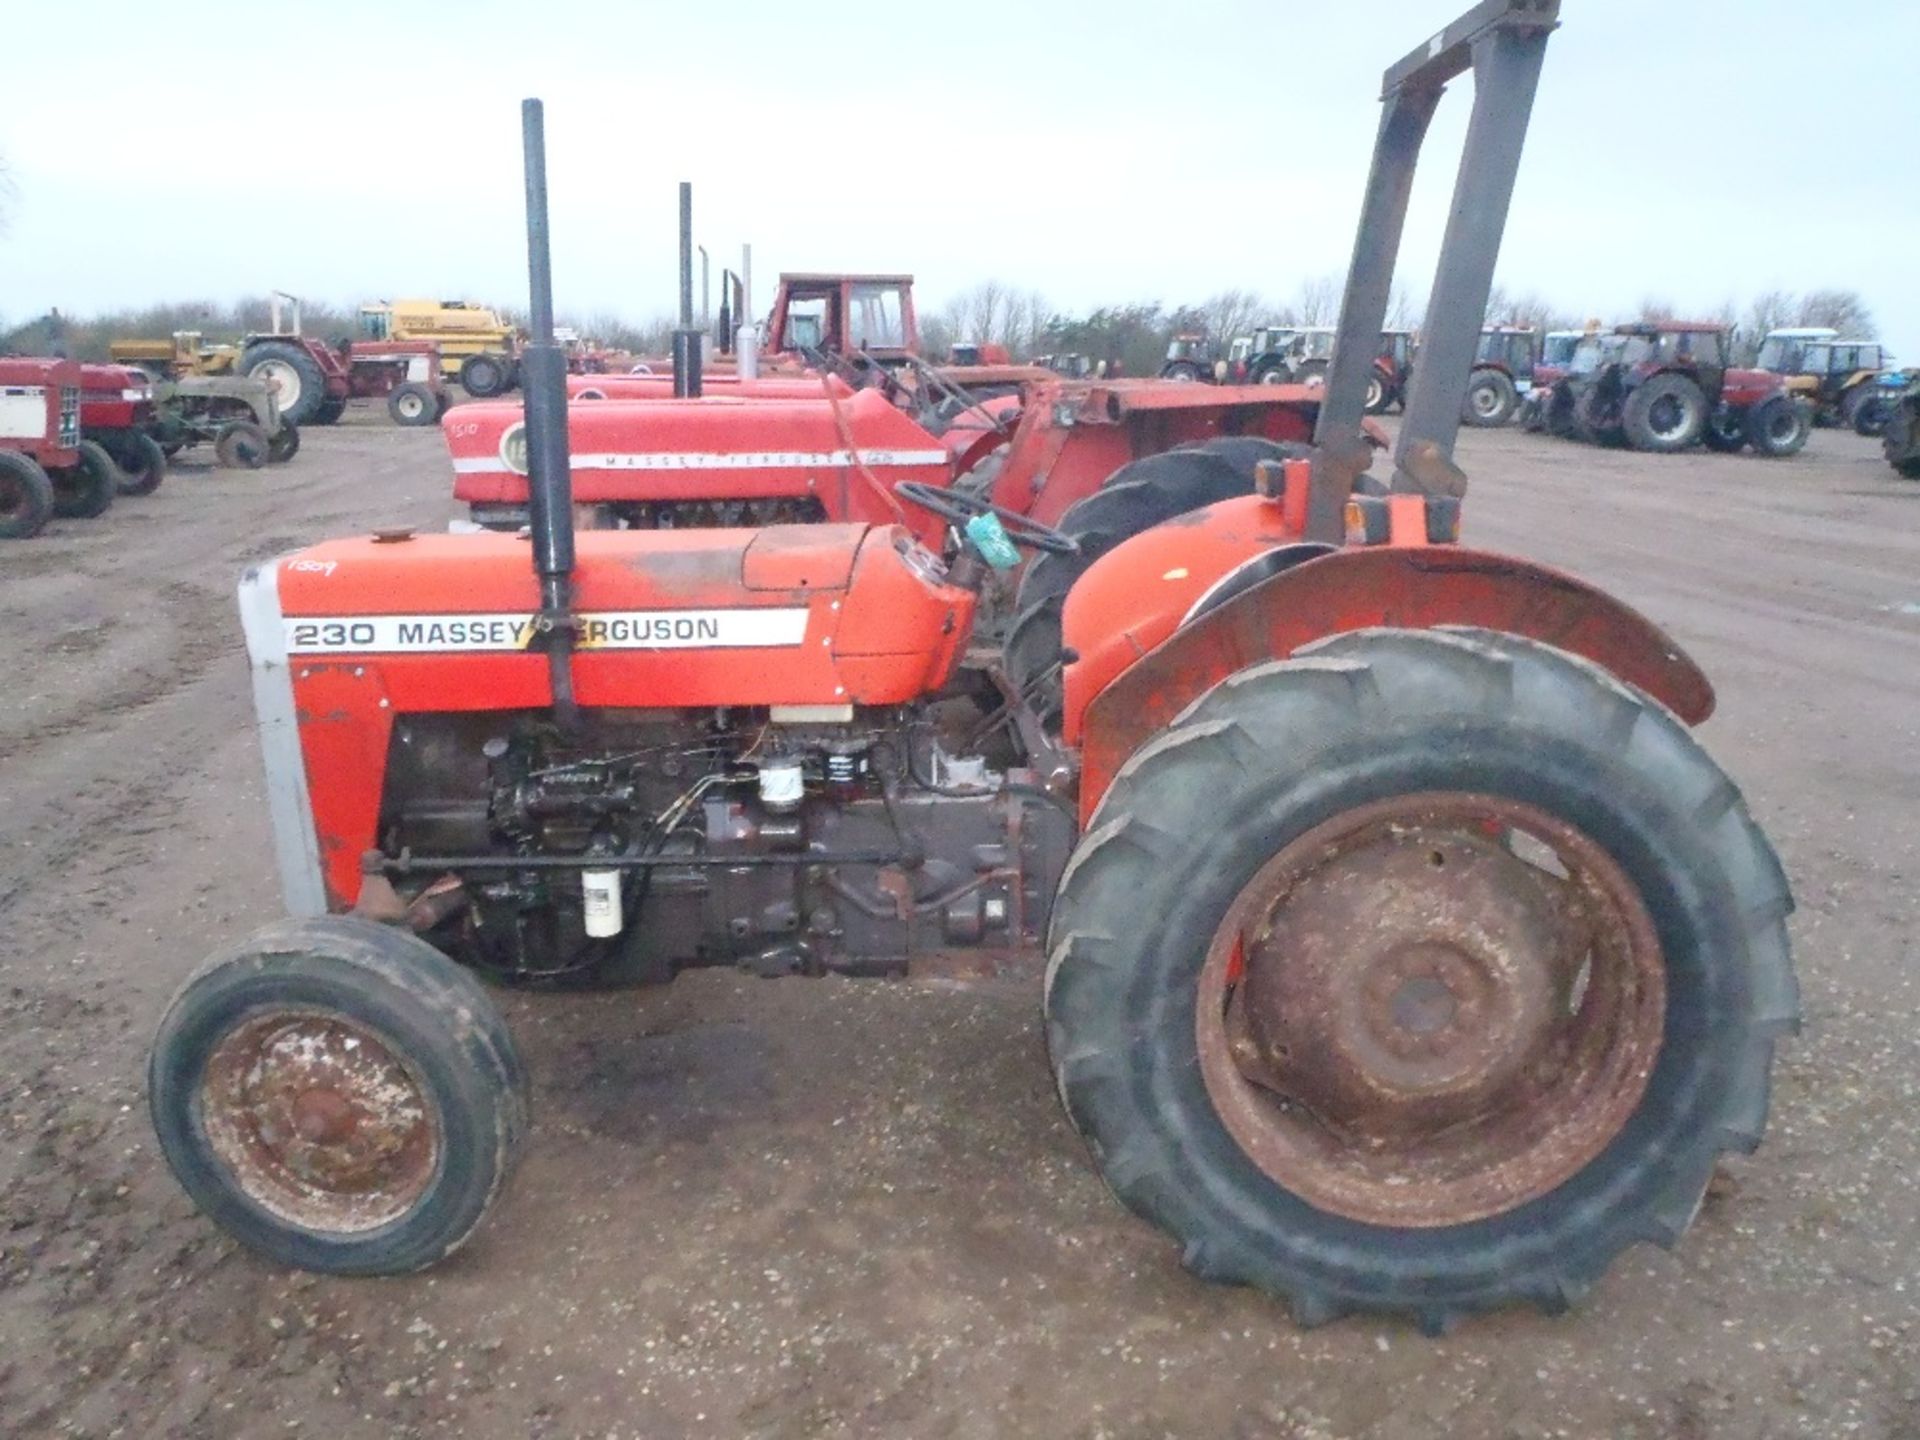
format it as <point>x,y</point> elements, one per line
<point>799,1208</point>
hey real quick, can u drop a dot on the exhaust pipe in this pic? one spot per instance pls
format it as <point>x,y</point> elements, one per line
<point>686,339</point>
<point>543,369</point>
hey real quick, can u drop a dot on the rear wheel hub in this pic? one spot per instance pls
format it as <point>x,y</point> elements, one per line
<point>1431,1009</point>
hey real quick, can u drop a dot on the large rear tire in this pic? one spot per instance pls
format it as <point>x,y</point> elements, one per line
<point>141,462</point>
<point>85,489</point>
<point>339,1096</point>
<point>1535,966</point>
<point>26,496</point>
<point>1666,414</point>
<point>299,386</point>
<point>1492,400</point>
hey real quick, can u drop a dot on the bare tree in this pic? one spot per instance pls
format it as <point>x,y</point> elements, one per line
<point>1842,310</point>
<point>1231,313</point>
<point>1656,311</point>
<point>1319,300</point>
<point>8,192</point>
<point>1401,312</point>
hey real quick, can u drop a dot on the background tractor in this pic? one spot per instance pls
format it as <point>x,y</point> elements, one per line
<point>1502,377</point>
<point>117,414</point>
<point>1835,377</point>
<point>1190,358</point>
<point>475,346</point>
<point>1406,952</point>
<point>1901,431</point>
<point>1665,387</point>
<point>235,415</point>
<point>47,465</point>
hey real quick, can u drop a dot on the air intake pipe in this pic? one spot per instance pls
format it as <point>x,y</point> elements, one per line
<point>543,372</point>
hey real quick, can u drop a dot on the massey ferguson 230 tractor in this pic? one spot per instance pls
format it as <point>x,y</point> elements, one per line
<point>1405,952</point>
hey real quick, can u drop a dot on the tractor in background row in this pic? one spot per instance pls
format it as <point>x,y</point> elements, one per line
<point>1406,952</point>
<point>117,413</point>
<point>1502,376</point>
<point>236,416</point>
<point>1667,386</point>
<point>48,467</point>
<point>474,345</point>
<point>1900,429</point>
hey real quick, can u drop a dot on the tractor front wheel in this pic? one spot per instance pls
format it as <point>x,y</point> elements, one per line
<point>26,496</point>
<point>1421,973</point>
<point>284,444</point>
<point>141,462</point>
<point>1779,427</point>
<point>339,1096</point>
<point>85,490</point>
<point>413,404</point>
<point>1492,400</point>
<point>242,445</point>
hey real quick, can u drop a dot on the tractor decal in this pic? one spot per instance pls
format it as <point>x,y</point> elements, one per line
<point>606,630</point>
<point>716,460</point>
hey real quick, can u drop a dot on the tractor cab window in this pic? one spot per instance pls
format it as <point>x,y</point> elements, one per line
<point>1814,360</point>
<point>1241,348</point>
<point>806,323</point>
<point>1559,349</point>
<point>1783,355</point>
<point>1689,347</point>
<point>877,317</point>
<point>376,324</point>
<point>1316,344</point>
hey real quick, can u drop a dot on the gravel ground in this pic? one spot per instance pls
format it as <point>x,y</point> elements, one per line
<point>821,1208</point>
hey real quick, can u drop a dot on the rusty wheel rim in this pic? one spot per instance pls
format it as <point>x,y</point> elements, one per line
<point>319,1121</point>
<point>1431,1010</point>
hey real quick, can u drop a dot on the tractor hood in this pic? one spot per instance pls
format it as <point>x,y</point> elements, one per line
<point>846,454</point>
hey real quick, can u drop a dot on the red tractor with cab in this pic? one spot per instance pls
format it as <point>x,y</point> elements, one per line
<point>47,465</point>
<point>1406,953</point>
<point>1667,386</point>
<point>1502,375</point>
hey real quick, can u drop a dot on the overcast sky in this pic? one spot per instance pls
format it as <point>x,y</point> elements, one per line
<point>1689,150</point>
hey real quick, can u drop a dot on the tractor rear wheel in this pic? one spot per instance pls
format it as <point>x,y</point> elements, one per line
<point>413,404</point>
<point>1272,375</point>
<point>483,376</point>
<point>141,462</point>
<point>329,413</point>
<point>292,374</point>
<point>1136,497</point>
<point>242,445</point>
<point>339,1096</point>
<point>1311,373</point>
<point>1779,427</point>
<point>85,489</point>
<point>1379,397</point>
<point>26,496</point>
<point>1492,399</point>
<point>1666,414</point>
<point>283,444</point>
<point>1184,371</point>
<point>1421,973</point>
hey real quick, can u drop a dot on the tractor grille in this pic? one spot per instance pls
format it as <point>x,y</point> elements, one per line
<point>69,416</point>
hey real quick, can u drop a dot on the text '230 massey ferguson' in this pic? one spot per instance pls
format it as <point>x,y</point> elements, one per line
<point>1405,952</point>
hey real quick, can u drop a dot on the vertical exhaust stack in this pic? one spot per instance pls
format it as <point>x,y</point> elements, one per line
<point>543,368</point>
<point>686,339</point>
<point>1503,43</point>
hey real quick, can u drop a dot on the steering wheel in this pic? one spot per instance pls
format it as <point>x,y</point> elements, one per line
<point>959,506</point>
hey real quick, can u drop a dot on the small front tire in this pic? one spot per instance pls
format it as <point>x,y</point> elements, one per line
<point>142,464</point>
<point>85,490</point>
<point>339,1096</point>
<point>241,445</point>
<point>413,404</point>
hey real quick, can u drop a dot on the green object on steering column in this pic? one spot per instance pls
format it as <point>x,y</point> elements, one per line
<point>989,537</point>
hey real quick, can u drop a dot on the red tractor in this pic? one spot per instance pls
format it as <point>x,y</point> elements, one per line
<point>117,414</point>
<point>1406,952</point>
<point>47,466</point>
<point>1502,376</point>
<point>1666,386</point>
<point>312,382</point>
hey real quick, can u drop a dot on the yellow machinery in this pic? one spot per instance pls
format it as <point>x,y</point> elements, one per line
<point>477,347</point>
<point>185,354</point>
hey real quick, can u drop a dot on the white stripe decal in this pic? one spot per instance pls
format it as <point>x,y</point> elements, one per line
<point>710,460</point>
<point>599,630</point>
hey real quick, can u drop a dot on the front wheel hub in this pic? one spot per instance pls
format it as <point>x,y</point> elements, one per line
<point>1430,1009</point>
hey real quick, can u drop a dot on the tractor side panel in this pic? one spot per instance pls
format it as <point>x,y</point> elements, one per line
<point>1416,588</point>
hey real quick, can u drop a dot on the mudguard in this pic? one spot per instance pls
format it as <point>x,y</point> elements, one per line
<point>1415,588</point>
